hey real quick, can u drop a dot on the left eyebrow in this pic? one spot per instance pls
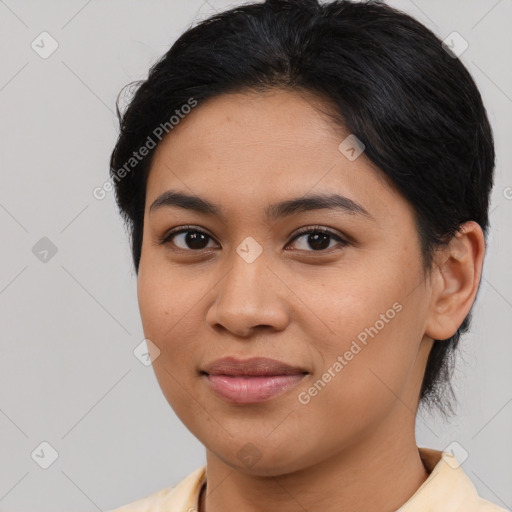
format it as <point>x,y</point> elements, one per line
<point>173,198</point>
<point>315,202</point>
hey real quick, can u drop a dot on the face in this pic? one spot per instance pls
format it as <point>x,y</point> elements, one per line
<point>335,291</point>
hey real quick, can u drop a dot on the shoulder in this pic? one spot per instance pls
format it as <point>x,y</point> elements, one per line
<point>482,505</point>
<point>448,488</point>
<point>182,497</point>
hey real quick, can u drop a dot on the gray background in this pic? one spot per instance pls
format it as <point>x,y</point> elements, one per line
<point>69,325</point>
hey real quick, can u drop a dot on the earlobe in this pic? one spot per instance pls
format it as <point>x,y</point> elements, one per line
<point>457,274</point>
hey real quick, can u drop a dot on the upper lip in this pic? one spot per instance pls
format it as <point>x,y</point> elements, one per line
<point>255,366</point>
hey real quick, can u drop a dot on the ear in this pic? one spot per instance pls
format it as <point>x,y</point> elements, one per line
<point>455,280</point>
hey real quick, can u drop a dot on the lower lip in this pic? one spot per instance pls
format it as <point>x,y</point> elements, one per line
<point>249,390</point>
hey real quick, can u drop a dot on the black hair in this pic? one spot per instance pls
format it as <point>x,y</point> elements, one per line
<point>388,80</point>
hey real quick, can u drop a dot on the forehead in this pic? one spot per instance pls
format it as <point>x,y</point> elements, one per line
<point>269,146</point>
<point>276,121</point>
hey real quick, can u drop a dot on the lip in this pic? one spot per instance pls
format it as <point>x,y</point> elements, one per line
<point>251,380</point>
<point>253,367</point>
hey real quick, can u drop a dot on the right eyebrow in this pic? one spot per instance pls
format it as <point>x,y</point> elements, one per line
<point>174,198</point>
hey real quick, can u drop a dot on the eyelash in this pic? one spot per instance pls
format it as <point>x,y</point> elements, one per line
<point>307,230</point>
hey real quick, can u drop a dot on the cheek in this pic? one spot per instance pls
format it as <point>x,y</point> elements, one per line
<point>172,315</point>
<point>154,304</point>
<point>166,301</point>
<point>355,306</point>
<point>375,329</point>
<point>167,318</point>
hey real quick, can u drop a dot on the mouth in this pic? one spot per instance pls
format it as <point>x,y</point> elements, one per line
<point>252,380</point>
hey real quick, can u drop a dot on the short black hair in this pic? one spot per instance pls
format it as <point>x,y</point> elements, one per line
<point>388,80</point>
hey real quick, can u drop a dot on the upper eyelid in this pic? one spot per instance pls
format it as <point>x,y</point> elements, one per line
<point>300,232</point>
<point>317,227</point>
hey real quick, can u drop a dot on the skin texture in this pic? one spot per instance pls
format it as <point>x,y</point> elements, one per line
<point>354,441</point>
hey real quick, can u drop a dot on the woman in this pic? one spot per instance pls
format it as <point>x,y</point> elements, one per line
<point>306,188</point>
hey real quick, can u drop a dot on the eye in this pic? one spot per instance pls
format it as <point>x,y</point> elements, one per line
<point>187,238</point>
<point>318,238</point>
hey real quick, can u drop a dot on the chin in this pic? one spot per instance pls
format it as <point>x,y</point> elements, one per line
<point>262,458</point>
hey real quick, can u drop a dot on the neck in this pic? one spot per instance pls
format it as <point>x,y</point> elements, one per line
<point>376,475</point>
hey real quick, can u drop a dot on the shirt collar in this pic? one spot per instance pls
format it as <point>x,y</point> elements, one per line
<point>447,488</point>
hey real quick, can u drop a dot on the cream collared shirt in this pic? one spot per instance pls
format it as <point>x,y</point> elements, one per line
<point>447,489</point>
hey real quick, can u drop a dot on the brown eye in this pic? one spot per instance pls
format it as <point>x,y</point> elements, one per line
<point>318,239</point>
<point>187,239</point>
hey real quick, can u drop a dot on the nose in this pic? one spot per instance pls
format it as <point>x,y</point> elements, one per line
<point>250,297</point>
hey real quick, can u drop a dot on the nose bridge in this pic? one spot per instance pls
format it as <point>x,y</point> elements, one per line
<point>246,296</point>
<point>248,274</point>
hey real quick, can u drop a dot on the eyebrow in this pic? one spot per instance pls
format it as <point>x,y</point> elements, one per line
<point>172,198</point>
